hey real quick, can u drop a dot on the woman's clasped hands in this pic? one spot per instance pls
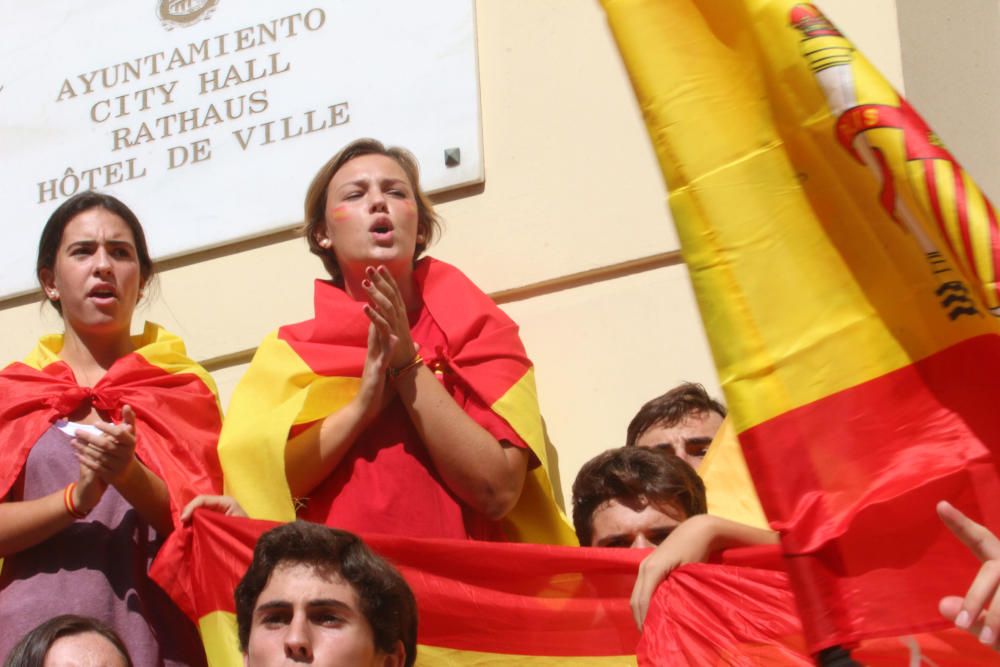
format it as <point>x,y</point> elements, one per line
<point>390,344</point>
<point>105,457</point>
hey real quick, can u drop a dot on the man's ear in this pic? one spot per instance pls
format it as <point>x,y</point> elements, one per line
<point>397,658</point>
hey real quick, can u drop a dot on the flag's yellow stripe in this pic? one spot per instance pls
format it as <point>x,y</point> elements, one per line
<point>730,491</point>
<point>221,639</point>
<point>944,180</point>
<point>532,520</point>
<point>278,390</point>
<point>155,344</point>
<point>979,229</point>
<point>166,351</point>
<point>219,634</point>
<point>786,328</point>
<point>435,656</point>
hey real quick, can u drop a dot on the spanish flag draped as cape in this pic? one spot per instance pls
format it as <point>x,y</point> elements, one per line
<point>845,267</point>
<point>298,378</point>
<point>176,410</point>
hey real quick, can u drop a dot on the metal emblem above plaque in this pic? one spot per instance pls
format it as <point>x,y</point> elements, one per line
<point>209,117</point>
<point>182,13</point>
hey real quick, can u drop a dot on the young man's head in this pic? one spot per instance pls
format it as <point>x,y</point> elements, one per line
<point>318,595</point>
<point>634,497</point>
<point>683,420</point>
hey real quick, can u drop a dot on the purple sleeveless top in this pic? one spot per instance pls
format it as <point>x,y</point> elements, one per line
<point>95,567</point>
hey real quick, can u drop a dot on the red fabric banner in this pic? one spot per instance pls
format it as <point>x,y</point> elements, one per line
<point>515,602</point>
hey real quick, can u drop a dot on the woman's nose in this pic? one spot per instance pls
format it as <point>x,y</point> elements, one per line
<point>102,261</point>
<point>377,201</point>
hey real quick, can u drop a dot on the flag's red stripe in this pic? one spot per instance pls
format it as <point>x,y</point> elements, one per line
<point>520,599</point>
<point>892,447</point>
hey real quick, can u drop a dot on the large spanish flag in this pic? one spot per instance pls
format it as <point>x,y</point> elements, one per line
<point>176,409</point>
<point>480,603</point>
<point>304,372</point>
<point>844,266</point>
<point>487,603</point>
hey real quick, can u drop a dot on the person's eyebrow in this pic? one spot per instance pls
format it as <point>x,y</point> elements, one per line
<point>272,605</point>
<point>698,440</point>
<point>611,538</point>
<point>357,182</point>
<point>93,242</point>
<point>394,181</point>
<point>328,602</point>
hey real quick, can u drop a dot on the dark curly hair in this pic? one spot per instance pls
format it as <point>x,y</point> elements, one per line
<point>631,473</point>
<point>385,599</point>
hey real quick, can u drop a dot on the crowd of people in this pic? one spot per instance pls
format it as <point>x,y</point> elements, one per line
<point>111,441</point>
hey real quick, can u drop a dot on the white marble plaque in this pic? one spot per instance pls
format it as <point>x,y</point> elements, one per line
<point>209,117</point>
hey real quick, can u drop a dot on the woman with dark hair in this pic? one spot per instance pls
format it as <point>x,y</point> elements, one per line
<point>407,404</point>
<point>104,436</point>
<point>69,640</point>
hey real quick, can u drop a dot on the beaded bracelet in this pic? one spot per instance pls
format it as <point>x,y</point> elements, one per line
<point>70,505</point>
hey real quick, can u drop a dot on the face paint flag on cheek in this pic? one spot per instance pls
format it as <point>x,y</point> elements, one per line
<point>339,213</point>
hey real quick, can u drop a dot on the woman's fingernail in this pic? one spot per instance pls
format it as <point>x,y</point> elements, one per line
<point>986,636</point>
<point>366,284</point>
<point>962,620</point>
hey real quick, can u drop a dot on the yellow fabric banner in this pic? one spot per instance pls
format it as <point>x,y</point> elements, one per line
<point>742,100</point>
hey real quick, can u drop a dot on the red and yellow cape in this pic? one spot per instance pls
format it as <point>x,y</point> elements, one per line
<point>177,412</point>
<point>304,372</point>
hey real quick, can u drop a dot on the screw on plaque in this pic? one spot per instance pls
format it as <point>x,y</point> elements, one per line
<point>452,157</point>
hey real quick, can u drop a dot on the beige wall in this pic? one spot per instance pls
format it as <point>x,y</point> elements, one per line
<point>570,231</point>
<point>952,70</point>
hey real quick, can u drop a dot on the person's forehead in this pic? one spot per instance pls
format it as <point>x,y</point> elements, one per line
<point>693,425</point>
<point>300,582</point>
<point>96,222</point>
<point>630,516</point>
<point>369,166</point>
<point>86,648</point>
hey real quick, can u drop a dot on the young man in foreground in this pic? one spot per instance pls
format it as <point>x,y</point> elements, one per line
<point>319,596</point>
